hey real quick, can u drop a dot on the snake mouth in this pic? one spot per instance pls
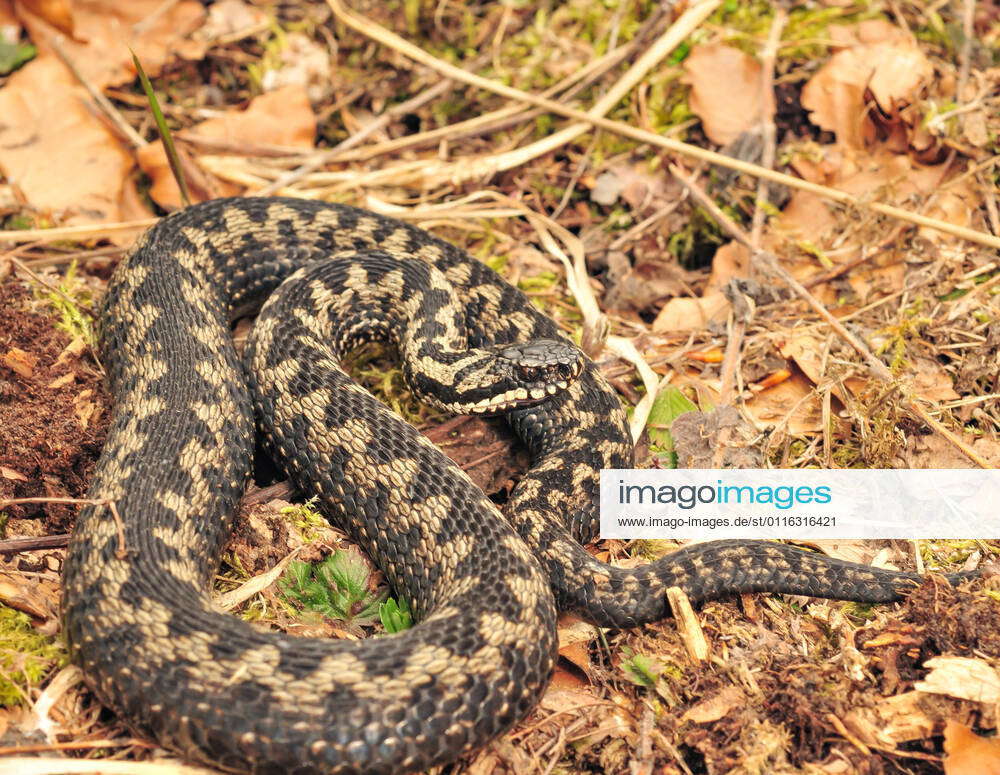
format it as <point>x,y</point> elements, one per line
<point>521,396</point>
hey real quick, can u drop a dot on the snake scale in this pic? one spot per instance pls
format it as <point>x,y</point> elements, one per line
<point>485,589</point>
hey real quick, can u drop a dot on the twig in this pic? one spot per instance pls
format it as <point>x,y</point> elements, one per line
<point>116,118</point>
<point>408,49</point>
<point>34,543</point>
<point>381,122</point>
<point>74,232</point>
<point>877,368</point>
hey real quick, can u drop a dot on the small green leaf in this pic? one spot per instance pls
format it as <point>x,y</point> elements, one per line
<point>642,670</point>
<point>13,55</point>
<point>337,588</point>
<point>670,404</point>
<point>395,617</point>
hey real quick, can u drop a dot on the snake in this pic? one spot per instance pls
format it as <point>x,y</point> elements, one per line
<point>485,586</point>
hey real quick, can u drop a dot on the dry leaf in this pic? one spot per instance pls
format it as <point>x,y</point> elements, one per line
<point>63,381</point>
<point>10,473</point>
<point>10,27</point>
<point>894,720</point>
<point>725,91</point>
<point>282,117</point>
<point>793,402</point>
<point>968,753</point>
<point>105,29</point>
<point>715,707</point>
<point>58,13</point>
<point>20,362</point>
<point>58,153</point>
<point>885,61</point>
<point>731,260</point>
<point>686,314</point>
<point>302,62</point>
<point>963,677</point>
<point>232,20</point>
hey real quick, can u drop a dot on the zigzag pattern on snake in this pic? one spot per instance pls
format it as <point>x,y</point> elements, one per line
<point>138,614</point>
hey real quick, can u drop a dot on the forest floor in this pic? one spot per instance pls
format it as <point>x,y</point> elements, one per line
<point>843,313</point>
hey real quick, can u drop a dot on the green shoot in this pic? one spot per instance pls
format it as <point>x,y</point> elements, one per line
<point>161,124</point>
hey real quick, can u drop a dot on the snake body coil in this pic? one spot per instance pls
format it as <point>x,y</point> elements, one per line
<point>138,616</point>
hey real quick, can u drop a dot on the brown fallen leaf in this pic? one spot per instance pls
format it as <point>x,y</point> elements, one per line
<point>10,473</point>
<point>687,314</point>
<point>20,362</point>
<point>968,753</point>
<point>715,707</point>
<point>10,26</point>
<point>58,13</point>
<point>725,91</point>
<point>282,117</point>
<point>63,381</point>
<point>104,30</point>
<point>64,159</point>
<point>793,402</point>
<point>967,678</point>
<point>575,636</point>
<point>885,61</point>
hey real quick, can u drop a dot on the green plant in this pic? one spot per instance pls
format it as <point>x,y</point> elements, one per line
<point>26,656</point>
<point>338,588</point>
<point>395,617</point>
<point>71,300</point>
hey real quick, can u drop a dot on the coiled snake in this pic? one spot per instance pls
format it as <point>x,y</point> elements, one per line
<point>137,612</point>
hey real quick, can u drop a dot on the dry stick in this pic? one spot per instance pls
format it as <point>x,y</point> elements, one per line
<point>392,40</point>
<point>879,369</point>
<point>116,118</point>
<point>324,157</point>
<point>488,122</point>
<point>121,552</point>
<point>466,170</point>
<point>74,232</point>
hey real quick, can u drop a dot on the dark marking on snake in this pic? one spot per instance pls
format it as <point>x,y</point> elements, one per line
<point>485,586</point>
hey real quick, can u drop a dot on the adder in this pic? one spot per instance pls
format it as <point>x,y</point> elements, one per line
<point>485,588</point>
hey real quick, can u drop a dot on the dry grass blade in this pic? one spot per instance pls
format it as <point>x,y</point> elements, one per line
<point>258,583</point>
<point>392,40</point>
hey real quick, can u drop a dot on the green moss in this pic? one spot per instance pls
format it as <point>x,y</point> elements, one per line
<point>306,519</point>
<point>72,305</point>
<point>26,657</point>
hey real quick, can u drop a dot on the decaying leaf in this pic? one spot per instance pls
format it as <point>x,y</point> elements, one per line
<point>58,13</point>
<point>104,30</point>
<point>883,60</point>
<point>715,707</point>
<point>62,157</point>
<point>686,314</point>
<point>20,362</point>
<point>968,753</point>
<point>964,677</point>
<point>725,91</point>
<point>282,117</point>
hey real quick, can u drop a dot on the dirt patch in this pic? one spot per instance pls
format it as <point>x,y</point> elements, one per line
<point>53,416</point>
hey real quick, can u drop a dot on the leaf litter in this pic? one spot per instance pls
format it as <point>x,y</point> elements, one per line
<point>868,104</point>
